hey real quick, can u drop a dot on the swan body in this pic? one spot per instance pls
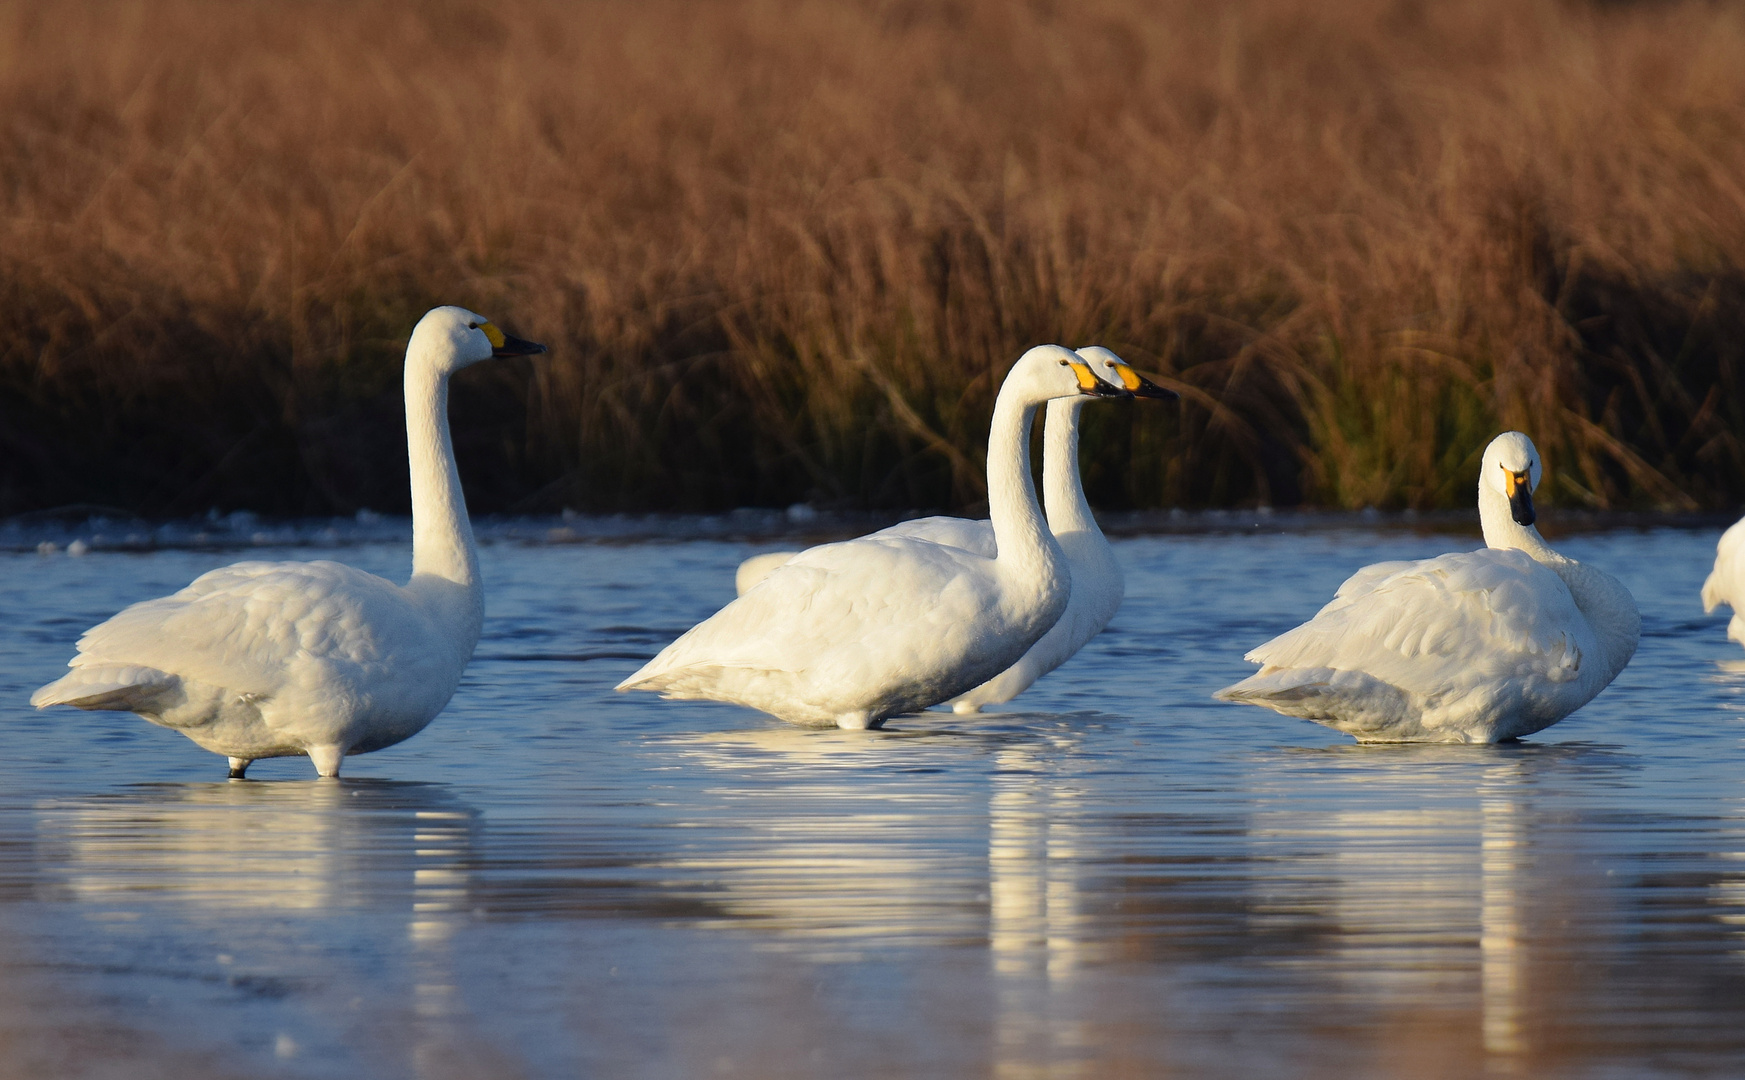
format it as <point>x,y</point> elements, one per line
<point>1477,646</point>
<point>263,659</point>
<point>1726,582</point>
<point>852,633</point>
<point>1097,584</point>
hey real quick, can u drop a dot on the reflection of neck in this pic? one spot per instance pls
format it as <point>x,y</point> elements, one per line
<point>1063,491</point>
<point>1021,537</point>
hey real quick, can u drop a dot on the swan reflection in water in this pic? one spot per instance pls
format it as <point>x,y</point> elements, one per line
<point>287,885</point>
<point>867,869</point>
<point>1433,853</point>
<point>823,843</point>
<point>1039,931</point>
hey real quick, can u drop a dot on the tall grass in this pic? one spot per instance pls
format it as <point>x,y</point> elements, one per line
<point>784,249</point>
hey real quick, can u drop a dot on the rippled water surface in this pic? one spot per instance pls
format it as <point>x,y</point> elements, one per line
<point>1116,877</point>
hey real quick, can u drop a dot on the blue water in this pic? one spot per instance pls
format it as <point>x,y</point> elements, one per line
<point>1118,876</point>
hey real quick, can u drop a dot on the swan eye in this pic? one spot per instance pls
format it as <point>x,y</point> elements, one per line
<point>1063,363</point>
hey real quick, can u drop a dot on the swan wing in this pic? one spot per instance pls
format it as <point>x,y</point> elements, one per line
<point>964,533</point>
<point>240,626</point>
<point>840,611</point>
<point>973,536</point>
<point>1427,626</point>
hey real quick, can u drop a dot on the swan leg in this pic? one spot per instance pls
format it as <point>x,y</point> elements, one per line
<point>327,759</point>
<point>238,766</point>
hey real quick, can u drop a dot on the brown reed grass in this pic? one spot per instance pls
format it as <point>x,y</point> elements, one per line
<point>784,249</point>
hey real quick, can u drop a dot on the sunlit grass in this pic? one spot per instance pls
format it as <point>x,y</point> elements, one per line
<point>783,251</point>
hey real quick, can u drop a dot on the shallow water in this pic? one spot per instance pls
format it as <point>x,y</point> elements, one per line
<point>1119,876</point>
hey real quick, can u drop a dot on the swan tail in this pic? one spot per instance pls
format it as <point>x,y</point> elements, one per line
<point>1349,700</point>
<point>128,688</point>
<point>647,677</point>
<point>1712,596</point>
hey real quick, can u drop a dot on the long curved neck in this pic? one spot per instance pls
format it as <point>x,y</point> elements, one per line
<point>1063,490</point>
<point>1608,605</point>
<point>442,537</point>
<point>1021,535</point>
<point>1502,531</point>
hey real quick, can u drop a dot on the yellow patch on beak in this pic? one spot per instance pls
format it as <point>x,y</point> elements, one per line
<point>491,332</point>
<point>1129,378</point>
<point>1513,482</point>
<point>1087,378</point>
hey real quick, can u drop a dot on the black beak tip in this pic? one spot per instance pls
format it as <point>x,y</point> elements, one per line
<point>1521,509</point>
<point>516,347</point>
<point>1149,389</point>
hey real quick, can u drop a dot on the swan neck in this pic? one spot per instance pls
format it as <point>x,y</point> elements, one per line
<point>442,537</point>
<point>1602,598</point>
<point>1063,490</point>
<point>1501,530</point>
<point>1022,536</point>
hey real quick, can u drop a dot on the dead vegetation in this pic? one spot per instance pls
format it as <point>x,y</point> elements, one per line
<point>784,250</point>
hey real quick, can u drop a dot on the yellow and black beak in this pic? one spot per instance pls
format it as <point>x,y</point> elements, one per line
<point>504,345</point>
<point>1140,386</point>
<point>1095,387</point>
<point>1520,492</point>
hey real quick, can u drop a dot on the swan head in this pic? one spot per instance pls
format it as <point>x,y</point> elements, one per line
<point>1054,371</point>
<point>1114,370</point>
<point>451,338</point>
<point>1511,469</point>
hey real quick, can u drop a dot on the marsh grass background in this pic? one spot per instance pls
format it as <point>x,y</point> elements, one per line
<point>784,249</point>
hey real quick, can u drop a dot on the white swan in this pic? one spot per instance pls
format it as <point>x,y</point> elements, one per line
<point>1726,582</point>
<point>1097,585</point>
<point>1478,646</point>
<point>852,633</point>
<point>266,659</point>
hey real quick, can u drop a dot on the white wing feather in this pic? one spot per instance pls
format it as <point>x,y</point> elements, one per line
<point>961,533</point>
<point>973,536</point>
<point>1429,626</point>
<point>241,626</point>
<point>894,616</point>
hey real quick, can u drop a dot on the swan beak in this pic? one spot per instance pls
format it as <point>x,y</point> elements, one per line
<point>1090,384</point>
<point>1143,387</point>
<point>504,345</point>
<point>1520,497</point>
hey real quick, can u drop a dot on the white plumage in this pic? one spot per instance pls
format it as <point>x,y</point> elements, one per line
<point>1477,646</point>
<point>1726,582</point>
<point>266,659</point>
<point>1097,584</point>
<point>852,633</point>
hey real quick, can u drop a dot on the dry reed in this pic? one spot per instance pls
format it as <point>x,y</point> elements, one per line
<point>784,250</point>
